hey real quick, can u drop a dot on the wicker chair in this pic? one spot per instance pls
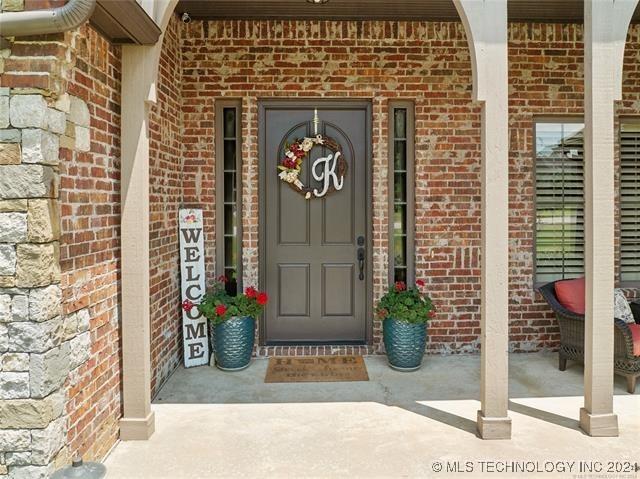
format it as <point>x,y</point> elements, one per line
<point>572,338</point>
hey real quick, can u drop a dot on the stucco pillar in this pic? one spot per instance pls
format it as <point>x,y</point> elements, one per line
<point>485,23</point>
<point>605,29</point>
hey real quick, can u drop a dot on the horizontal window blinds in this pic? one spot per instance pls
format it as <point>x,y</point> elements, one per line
<point>559,201</point>
<point>630,202</point>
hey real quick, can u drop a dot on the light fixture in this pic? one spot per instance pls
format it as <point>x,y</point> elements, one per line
<point>317,2</point>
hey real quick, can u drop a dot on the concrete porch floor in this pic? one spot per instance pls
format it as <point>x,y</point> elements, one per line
<point>211,424</point>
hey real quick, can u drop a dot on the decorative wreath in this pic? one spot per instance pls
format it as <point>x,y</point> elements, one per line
<point>296,152</point>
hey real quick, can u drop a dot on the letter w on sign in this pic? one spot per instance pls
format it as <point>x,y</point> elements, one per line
<point>194,325</point>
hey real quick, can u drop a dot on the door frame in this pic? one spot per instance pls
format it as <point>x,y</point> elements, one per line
<point>310,103</point>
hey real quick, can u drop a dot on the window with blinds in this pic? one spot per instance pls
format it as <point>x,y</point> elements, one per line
<point>630,202</point>
<point>559,244</point>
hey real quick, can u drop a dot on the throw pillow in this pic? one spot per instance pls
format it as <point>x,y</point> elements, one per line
<point>570,294</point>
<point>621,308</point>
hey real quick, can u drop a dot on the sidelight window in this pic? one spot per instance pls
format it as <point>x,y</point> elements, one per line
<point>401,196</point>
<point>228,190</point>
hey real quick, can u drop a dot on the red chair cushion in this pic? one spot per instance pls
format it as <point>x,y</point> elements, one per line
<point>635,334</point>
<point>570,294</point>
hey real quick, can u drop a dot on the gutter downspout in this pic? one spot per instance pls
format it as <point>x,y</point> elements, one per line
<point>39,22</point>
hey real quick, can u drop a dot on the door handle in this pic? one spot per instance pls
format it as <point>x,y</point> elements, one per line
<point>361,263</point>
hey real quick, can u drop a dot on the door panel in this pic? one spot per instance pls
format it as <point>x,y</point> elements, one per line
<point>311,266</point>
<point>337,290</point>
<point>293,298</point>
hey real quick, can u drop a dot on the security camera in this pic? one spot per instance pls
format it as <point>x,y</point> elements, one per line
<point>186,18</point>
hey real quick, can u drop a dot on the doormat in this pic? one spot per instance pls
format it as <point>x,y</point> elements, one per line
<point>316,369</point>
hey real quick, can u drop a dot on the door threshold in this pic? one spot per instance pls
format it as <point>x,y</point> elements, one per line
<point>333,349</point>
<point>316,343</point>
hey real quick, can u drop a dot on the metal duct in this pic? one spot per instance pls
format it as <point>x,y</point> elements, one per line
<point>54,20</point>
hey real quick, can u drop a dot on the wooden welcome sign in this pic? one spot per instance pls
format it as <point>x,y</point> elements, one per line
<point>194,325</point>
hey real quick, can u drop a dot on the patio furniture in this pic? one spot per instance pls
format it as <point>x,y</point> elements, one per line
<point>625,363</point>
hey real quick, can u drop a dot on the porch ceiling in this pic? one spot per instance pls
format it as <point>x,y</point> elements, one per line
<point>519,10</point>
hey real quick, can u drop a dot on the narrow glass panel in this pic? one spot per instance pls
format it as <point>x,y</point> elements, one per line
<point>400,274</point>
<point>229,155</point>
<point>400,188</point>
<point>231,286</point>
<point>229,122</point>
<point>400,155</point>
<point>229,221</point>
<point>230,247</point>
<point>229,187</point>
<point>400,123</point>
<point>400,250</point>
<point>399,219</point>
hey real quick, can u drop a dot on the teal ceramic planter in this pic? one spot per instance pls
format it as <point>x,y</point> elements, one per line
<point>405,343</point>
<point>233,343</point>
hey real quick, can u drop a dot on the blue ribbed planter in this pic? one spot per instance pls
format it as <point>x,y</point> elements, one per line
<point>233,343</point>
<point>405,343</point>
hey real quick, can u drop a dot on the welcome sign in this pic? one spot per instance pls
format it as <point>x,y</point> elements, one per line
<point>194,325</point>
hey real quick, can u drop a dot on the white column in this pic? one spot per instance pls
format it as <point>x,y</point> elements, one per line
<point>485,23</point>
<point>606,23</point>
<point>138,419</point>
<point>139,75</point>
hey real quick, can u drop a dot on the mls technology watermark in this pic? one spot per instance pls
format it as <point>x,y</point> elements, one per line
<point>576,469</point>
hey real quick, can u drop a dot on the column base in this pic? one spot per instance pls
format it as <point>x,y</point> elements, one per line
<point>599,425</point>
<point>134,429</point>
<point>494,427</point>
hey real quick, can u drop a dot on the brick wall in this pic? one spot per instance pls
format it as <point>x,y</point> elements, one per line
<point>428,63</point>
<point>166,195</point>
<point>90,197</point>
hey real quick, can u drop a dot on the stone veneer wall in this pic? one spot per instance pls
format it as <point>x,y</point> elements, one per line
<point>59,351</point>
<point>427,62</point>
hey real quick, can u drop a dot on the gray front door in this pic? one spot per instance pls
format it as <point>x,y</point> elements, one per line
<point>311,266</point>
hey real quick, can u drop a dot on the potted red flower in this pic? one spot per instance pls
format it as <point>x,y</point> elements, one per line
<point>234,323</point>
<point>405,313</point>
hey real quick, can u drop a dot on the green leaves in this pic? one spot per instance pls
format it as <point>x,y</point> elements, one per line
<point>406,305</point>
<point>218,306</point>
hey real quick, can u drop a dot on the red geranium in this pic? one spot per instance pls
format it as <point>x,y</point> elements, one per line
<point>187,305</point>
<point>251,292</point>
<point>383,313</point>
<point>262,299</point>
<point>222,278</point>
<point>420,283</point>
<point>400,286</point>
<point>221,309</point>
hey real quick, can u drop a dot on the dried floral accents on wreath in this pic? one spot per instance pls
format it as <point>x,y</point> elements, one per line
<point>329,170</point>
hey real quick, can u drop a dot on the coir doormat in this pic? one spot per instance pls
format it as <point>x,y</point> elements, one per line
<point>316,369</point>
